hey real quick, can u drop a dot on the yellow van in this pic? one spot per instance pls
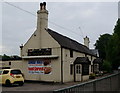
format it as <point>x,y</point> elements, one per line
<point>11,76</point>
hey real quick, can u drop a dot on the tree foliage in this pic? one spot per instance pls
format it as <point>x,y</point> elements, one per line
<point>114,47</point>
<point>109,48</point>
<point>101,45</point>
<point>107,66</point>
<point>7,58</point>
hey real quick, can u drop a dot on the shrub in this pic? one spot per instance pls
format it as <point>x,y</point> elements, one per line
<point>107,66</point>
<point>92,76</point>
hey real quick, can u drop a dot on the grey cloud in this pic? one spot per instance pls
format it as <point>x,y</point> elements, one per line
<point>93,18</point>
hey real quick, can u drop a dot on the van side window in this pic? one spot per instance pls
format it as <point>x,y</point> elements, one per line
<point>5,72</point>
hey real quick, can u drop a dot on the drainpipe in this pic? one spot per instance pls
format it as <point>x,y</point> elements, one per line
<point>74,73</point>
<point>61,65</point>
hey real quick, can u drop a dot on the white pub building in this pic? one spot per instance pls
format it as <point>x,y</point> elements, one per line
<point>51,57</point>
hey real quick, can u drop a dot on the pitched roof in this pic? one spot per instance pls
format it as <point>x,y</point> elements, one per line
<point>98,60</point>
<point>95,52</point>
<point>69,43</point>
<point>82,60</point>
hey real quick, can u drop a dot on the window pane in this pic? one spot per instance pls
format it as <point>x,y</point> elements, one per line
<point>5,72</point>
<point>85,69</point>
<point>71,53</point>
<point>71,69</point>
<point>16,72</point>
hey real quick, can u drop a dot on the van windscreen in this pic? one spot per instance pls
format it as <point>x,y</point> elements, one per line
<point>15,71</point>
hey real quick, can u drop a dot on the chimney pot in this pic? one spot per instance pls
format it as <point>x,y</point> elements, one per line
<point>44,3</point>
<point>43,6</point>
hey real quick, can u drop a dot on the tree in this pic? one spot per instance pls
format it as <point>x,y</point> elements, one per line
<point>109,48</point>
<point>101,44</point>
<point>5,57</point>
<point>113,49</point>
<point>107,66</point>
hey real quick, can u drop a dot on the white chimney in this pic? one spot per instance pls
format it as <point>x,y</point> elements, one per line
<point>42,22</point>
<point>86,41</point>
<point>42,14</point>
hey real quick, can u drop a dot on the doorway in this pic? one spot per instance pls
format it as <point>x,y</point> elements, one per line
<point>78,72</point>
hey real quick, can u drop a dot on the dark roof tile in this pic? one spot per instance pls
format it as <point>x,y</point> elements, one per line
<point>69,43</point>
<point>98,60</point>
<point>82,60</point>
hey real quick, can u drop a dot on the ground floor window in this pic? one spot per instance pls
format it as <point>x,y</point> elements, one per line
<point>71,69</point>
<point>96,67</point>
<point>91,68</point>
<point>85,69</point>
<point>78,69</point>
<point>71,53</point>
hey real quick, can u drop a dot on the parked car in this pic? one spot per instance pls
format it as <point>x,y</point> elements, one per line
<point>119,68</point>
<point>92,76</point>
<point>11,76</point>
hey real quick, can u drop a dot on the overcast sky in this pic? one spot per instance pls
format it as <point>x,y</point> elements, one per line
<point>79,19</point>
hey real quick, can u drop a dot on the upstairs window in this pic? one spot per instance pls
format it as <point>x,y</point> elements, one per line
<point>71,53</point>
<point>9,63</point>
<point>78,70</point>
<point>85,69</point>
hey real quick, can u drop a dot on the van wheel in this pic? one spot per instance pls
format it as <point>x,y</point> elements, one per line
<point>21,83</point>
<point>8,83</point>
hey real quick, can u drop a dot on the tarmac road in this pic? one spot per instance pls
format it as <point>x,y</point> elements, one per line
<point>33,86</point>
<point>38,87</point>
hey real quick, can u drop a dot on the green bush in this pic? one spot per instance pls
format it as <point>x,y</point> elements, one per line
<point>92,76</point>
<point>107,66</point>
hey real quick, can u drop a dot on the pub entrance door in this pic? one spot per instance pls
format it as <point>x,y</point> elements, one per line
<point>78,72</point>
